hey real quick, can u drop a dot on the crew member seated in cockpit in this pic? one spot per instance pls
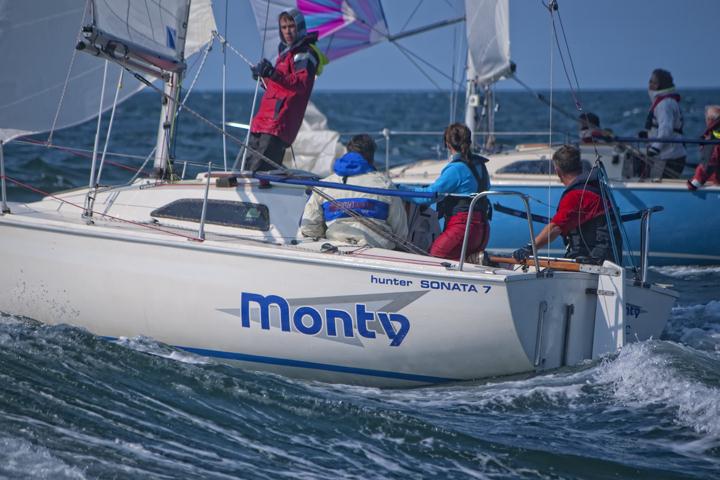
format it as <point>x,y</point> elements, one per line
<point>580,217</point>
<point>384,217</point>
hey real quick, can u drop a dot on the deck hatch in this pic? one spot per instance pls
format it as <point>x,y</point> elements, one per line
<point>254,216</point>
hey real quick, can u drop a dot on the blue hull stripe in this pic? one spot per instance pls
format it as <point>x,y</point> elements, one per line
<point>312,365</point>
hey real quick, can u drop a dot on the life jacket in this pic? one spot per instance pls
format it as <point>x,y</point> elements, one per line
<point>283,105</point>
<point>590,241</point>
<point>713,131</point>
<point>350,165</point>
<point>450,206</point>
<point>651,121</point>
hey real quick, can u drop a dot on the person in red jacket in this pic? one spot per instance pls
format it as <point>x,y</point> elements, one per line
<point>288,85</point>
<point>709,168</point>
<point>580,217</point>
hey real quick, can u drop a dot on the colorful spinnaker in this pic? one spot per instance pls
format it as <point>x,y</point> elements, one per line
<point>343,26</point>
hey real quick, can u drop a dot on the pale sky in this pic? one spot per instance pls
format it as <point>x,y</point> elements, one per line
<point>614,44</point>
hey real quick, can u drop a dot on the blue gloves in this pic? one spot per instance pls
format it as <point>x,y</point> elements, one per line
<point>652,151</point>
<point>522,254</point>
<point>263,69</point>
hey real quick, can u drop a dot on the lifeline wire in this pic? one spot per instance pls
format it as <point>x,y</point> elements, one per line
<point>67,77</point>
<point>257,88</point>
<point>606,197</point>
<point>224,84</point>
<point>550,113</point>
<point>110,125</point>
<point>89,197</point>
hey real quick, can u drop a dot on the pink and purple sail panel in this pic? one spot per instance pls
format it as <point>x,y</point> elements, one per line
<point>343,26</point>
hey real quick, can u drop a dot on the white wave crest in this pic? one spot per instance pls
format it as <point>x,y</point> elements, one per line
<point>641,377</point>
<point>707,311</point>
<point>554,389</point>
<point>687,271</point>
<point>21,459</point>
<point>150,346</point>
<point>696,325</point>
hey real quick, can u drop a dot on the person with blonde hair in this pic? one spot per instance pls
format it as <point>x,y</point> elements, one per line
<point>709,168</point>
<point>466,173</point>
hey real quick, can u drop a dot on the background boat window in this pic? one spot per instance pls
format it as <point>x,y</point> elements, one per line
<point>535,167</point>
<point>254,216</point>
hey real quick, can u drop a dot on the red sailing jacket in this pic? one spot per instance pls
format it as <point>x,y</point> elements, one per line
<point>288,90</point>
<point>714,156</point>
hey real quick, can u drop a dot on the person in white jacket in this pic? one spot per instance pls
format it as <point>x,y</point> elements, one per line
<point>664,121</point>
<point>324,218</point>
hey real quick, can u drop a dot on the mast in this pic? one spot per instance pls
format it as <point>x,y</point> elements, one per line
<point>472,102</point>
<point>166,128</point>
<point>487,24</point>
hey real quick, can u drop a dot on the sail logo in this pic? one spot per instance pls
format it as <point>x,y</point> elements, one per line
<point>330,322</point>
<point>170,36</point>
<point>633,310</point>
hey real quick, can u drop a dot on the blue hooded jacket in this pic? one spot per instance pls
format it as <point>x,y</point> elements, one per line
<point>352,163</point>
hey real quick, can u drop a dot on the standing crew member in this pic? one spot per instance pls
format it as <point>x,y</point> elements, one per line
<point>466,173</point>
<point>330,219</point>
<point>580,217</point>
<point>664,121</point>
<point>288,87</point>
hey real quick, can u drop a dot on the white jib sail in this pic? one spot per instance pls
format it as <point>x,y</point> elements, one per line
<point>316,146</point>
<point>488,38</point>
<point>38,39</point>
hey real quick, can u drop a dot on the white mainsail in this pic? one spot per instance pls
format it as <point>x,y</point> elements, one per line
<point>38,54</point>
<point>488,38</point>
<point>153,29</point>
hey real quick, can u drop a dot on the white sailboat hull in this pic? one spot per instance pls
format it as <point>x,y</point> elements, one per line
<point>459,326</point>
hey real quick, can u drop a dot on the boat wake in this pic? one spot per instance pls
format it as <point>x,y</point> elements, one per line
<point>135,407</point>
<point>668,377</point>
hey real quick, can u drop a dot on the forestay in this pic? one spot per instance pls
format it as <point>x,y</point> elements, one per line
<point>38,55</point>
<point>488,38</point>
<point>343,27</point>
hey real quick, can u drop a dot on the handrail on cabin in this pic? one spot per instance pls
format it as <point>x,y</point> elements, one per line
<point>475,197</point>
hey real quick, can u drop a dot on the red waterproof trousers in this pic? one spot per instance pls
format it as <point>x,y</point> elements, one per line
<point>449,243</point>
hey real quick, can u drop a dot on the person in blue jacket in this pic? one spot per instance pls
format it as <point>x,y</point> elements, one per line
<point>466,173</point>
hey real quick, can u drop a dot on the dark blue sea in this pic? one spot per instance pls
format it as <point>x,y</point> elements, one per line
<point>74,406</point>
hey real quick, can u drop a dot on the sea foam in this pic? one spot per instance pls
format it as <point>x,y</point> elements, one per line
<point>641,377</point>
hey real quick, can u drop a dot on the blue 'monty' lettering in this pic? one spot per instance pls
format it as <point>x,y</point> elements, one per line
<point>264,303</point>
<point>309,321</point>
<point>331,315</point>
